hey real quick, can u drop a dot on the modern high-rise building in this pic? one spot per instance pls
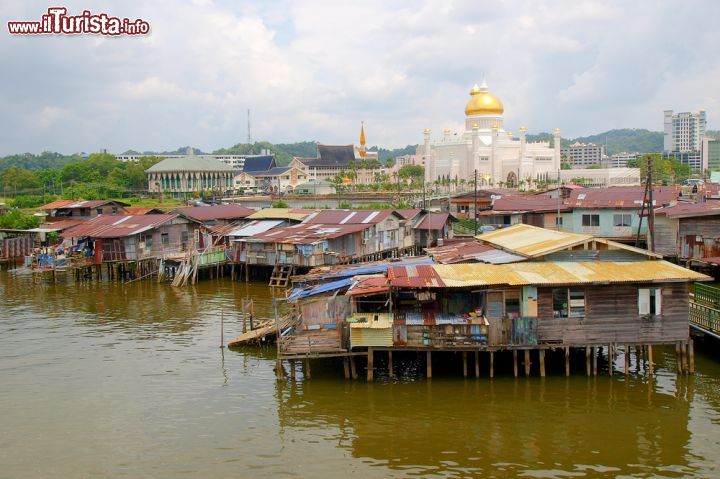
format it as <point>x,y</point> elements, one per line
<point>582,155</point>
<point>711,154</point>
<point>684,132</point>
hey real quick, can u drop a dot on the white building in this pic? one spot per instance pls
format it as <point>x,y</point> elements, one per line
<point>684,131</point>
<point>486,147</point>
<point>620,160</point>
<point>582,155</point>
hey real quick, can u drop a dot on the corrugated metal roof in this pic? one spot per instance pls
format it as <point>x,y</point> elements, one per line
<point>543,273</point>
<point>279,213</point>
<point>104,226</point>
<point>254,228</point>
<point>307,233</point>
<point>687,210</point>
<point>371,285</point>
<point>433,221</point>
<point>519,204</point>
<point>419,276</point>
<point>346,217</point>
<point>68,204</point>
<point>215,212</point>
<point>137,210</point>
<point>409,214</point>
<point>620,197</point>
<point>532,241</point>
<point>467,251</point>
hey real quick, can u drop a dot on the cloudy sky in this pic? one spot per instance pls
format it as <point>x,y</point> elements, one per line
<point>312,70</point>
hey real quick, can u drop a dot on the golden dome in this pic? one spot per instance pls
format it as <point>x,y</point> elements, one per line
<point>483,102</point>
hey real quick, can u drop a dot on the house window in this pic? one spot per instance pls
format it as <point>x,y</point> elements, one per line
<point>184,237</point>
<point>99,211</point>
<point>568,303</point>
<point>114,210</point>
<point>512,304</point>
<point>558,221</point>
<point>148,241</point>
<point>591,220</point>
<point>622,220</point>
<point>165,239</point>
<point>649,301</point>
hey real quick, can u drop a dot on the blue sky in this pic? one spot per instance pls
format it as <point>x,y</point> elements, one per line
<point>312,70</point>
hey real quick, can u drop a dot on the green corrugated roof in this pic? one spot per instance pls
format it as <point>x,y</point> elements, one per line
<point>189,163</point>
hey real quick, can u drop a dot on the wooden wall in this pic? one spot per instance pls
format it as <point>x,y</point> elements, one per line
<point>611,316</point>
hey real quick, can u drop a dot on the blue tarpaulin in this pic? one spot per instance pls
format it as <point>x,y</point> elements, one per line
<point>375,268</point>
<point>343,279</point>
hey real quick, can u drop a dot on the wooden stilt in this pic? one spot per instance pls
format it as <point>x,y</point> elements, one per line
<point>610,359</point>
<point>464,357</point>
<point>587,360</point>
<point>527,362</point>
<point>515,360</point>
<point>541,354</point>
<point>595,359</point>
<point>370,365</point>
<point>492,364</point>
<point>650,359</point>
<point>477,364</point>
<point>346,368</point>
<point>292,369</point>
<point>353,371</point>
<point>390,364</point>
<point>567,361</point>
<point>429,364</point>
<point>307,369</point>
<point>691,353</point>
<point>686,366</point>
<point>627,359</point>
<point>678,360</point>
<point>278,370</point>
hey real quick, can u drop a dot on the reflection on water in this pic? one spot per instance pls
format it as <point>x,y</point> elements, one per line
<point>102,380</point>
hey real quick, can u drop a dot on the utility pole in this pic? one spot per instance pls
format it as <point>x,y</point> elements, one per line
<point>651,208</point>
<point>475,206</point>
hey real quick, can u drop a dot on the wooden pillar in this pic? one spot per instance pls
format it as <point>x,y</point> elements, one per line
<point>527,362</point>
<point>346,368</point>
<point>595,358</point>
<point>587,360</point>
<point>650,359</point>
<point>610,359</point>
<point>567,361</point>
<point>464,357</point>
<point>678,360</point>
<point>390,364</point>
<point>686,367</point>
<point>292,369</point>
<point>515,360</point>
<point>541,354</point>
<point>307,369</point>
<point>370,365</point>
<point>279,370</point>
<point>429,364</point>
<point>691,354</point>
<point>627,359</point>
<point>353,371</point>
<point>492,364</point>
<point>477,364</point>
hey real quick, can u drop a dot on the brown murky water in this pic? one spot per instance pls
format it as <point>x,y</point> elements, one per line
<point>98,380</point>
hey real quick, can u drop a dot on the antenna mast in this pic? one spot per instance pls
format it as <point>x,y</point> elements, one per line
<point>249,138</point>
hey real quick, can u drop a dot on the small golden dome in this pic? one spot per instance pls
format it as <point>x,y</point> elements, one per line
<point>523,129</point>
<point>426,131</point>
<point>475,126</point>
<point>483,102</point>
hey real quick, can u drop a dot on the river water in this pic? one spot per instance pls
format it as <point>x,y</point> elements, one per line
<point>103,380</point>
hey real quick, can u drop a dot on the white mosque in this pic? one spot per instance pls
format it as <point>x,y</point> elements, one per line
<point>497,156</point>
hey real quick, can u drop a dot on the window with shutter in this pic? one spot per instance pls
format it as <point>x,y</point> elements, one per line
<point>649,301</point>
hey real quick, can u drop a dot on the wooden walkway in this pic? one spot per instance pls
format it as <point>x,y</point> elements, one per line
<point>264,329</point>
<point>322,342</point>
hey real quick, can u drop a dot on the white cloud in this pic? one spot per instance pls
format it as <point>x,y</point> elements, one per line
<point>312,70</point>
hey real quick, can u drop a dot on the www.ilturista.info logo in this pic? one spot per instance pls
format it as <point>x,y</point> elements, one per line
<point>58,22</point>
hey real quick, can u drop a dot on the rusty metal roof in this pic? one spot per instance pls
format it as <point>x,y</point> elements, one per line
<point>433,221</point>
<point>105,226</point>
<point>419,276</point>
<point>409,214</point>
<point>617,197</point>
<point>522,204</point>
<point>688,210</point>
<point>306,233</point>
<point>137,210</point>
<point>532,241</point>
<point>362,286</point>
<point>215,212</point>
<point>70,204</point>
<point>347,217</point>
<point>541,274</point>
<point>468,251</point>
